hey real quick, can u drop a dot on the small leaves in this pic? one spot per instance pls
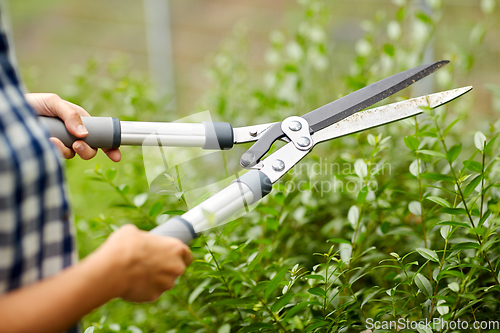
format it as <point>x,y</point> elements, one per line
<point>317,291</point>
<point>472,185</point>
<point>140,199</point>
<point>274,283</point>
<point>428,254</point>
<point>439,201</point>
<point>431,153</point>
<point>353,216</point>
<point>345,252</point>
<point>415,208</point>
<point>423,284</point>
<point>360,168</point>
<point>111,174</point>
<point>453,153</point>
<point>479,140</point>
<point>454,287</point>
<point>411,142</point>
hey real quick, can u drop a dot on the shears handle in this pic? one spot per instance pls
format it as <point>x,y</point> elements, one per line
<point>107,132</point>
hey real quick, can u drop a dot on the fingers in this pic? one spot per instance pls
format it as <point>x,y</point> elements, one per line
<point>70,113</point>
<point>113,154</point>
<point>65,151</point>
<point>84,150</point>
<point>187,256</point>
<point>54,106</point>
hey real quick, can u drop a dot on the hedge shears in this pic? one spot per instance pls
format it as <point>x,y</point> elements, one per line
<point>339,118</point>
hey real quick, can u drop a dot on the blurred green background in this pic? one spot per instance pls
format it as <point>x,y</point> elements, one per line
<point>52,37</point>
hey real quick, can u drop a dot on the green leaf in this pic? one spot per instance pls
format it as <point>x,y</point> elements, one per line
<point>437,177</point>
<point>472,185</point>
<point>415,208</point>
<point>450,126</point>
<point>269,210</point>
<point>453,153</point>
<point>140,199</point>
<point>280,303</point>
<point>274,283</point>
<point>226,328</point>
<point>369,297</point>
<point>296,309</point>
<point>428,254</point>
<point>454,287</point>
<point>428,134</point>
<point>453,211</point>
<point>439,201</point>
<point>272,223</point>
<point>478,231</point>
<point>235,301</point>
<point>465,246</point>
<point>174,212</point>
<point>256,327</point>
<point>315,277</point>
<point>423,284</point>
<point>455,224</point>
<point>321,323</point>
<point>89,330</point>
<point>362,194</point>
<point>385,227</point>
<point>479,140</point>
<point>411,142</point>
<point>156,208</point>
<point>111,174</point>
<point>431,153</point>
<point>474,166</point>
<point>339,240</point>
<point>317,291</point>
<point>124,189</point>
<point>197,291</point>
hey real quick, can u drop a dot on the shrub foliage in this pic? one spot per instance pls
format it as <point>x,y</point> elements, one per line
<point>398,222</point>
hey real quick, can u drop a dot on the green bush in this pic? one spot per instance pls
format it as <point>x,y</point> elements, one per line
<point>399,222</point>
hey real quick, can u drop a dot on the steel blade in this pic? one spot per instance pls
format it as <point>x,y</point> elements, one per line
<point>386,114</point>
<point>249,133</point>
<point>367,96</point>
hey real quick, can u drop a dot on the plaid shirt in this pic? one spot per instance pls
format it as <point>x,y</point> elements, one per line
<point>36,236</point>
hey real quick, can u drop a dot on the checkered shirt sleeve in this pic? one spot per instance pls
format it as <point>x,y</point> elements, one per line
<point>36,236</point>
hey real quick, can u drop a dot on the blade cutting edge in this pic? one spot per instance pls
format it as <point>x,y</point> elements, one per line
<point>386,114</point>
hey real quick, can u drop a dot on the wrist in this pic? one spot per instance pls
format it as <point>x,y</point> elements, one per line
<point>108,268</point>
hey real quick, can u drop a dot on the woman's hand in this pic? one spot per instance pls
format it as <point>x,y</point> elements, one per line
<point>145,265</point>
<point>53,106</point>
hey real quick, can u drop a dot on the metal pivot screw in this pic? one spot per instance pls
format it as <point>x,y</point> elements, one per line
<point>253,133</point>
<point>303,141</point>
<point>278,165</point>
<point>295,126</point>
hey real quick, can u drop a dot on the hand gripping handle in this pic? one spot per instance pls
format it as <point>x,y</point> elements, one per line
<point>104,132</point>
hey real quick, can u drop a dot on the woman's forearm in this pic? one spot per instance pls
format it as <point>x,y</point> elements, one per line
<point>57,303</point>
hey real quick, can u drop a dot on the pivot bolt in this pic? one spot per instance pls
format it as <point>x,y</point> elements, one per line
<point>247,159</point>
<point>278,165</point>
<point>295,126</point>
<point>303,142</point>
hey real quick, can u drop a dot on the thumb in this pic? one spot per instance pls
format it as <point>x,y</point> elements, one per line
<point>70,114</point>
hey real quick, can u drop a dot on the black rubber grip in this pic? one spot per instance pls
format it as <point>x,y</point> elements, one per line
<point>176,227</point>
<point>104,132</point>
<point>218,135</point>
<point>258,182</point>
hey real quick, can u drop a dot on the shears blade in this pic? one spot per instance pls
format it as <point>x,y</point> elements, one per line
<point>387,114</point>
